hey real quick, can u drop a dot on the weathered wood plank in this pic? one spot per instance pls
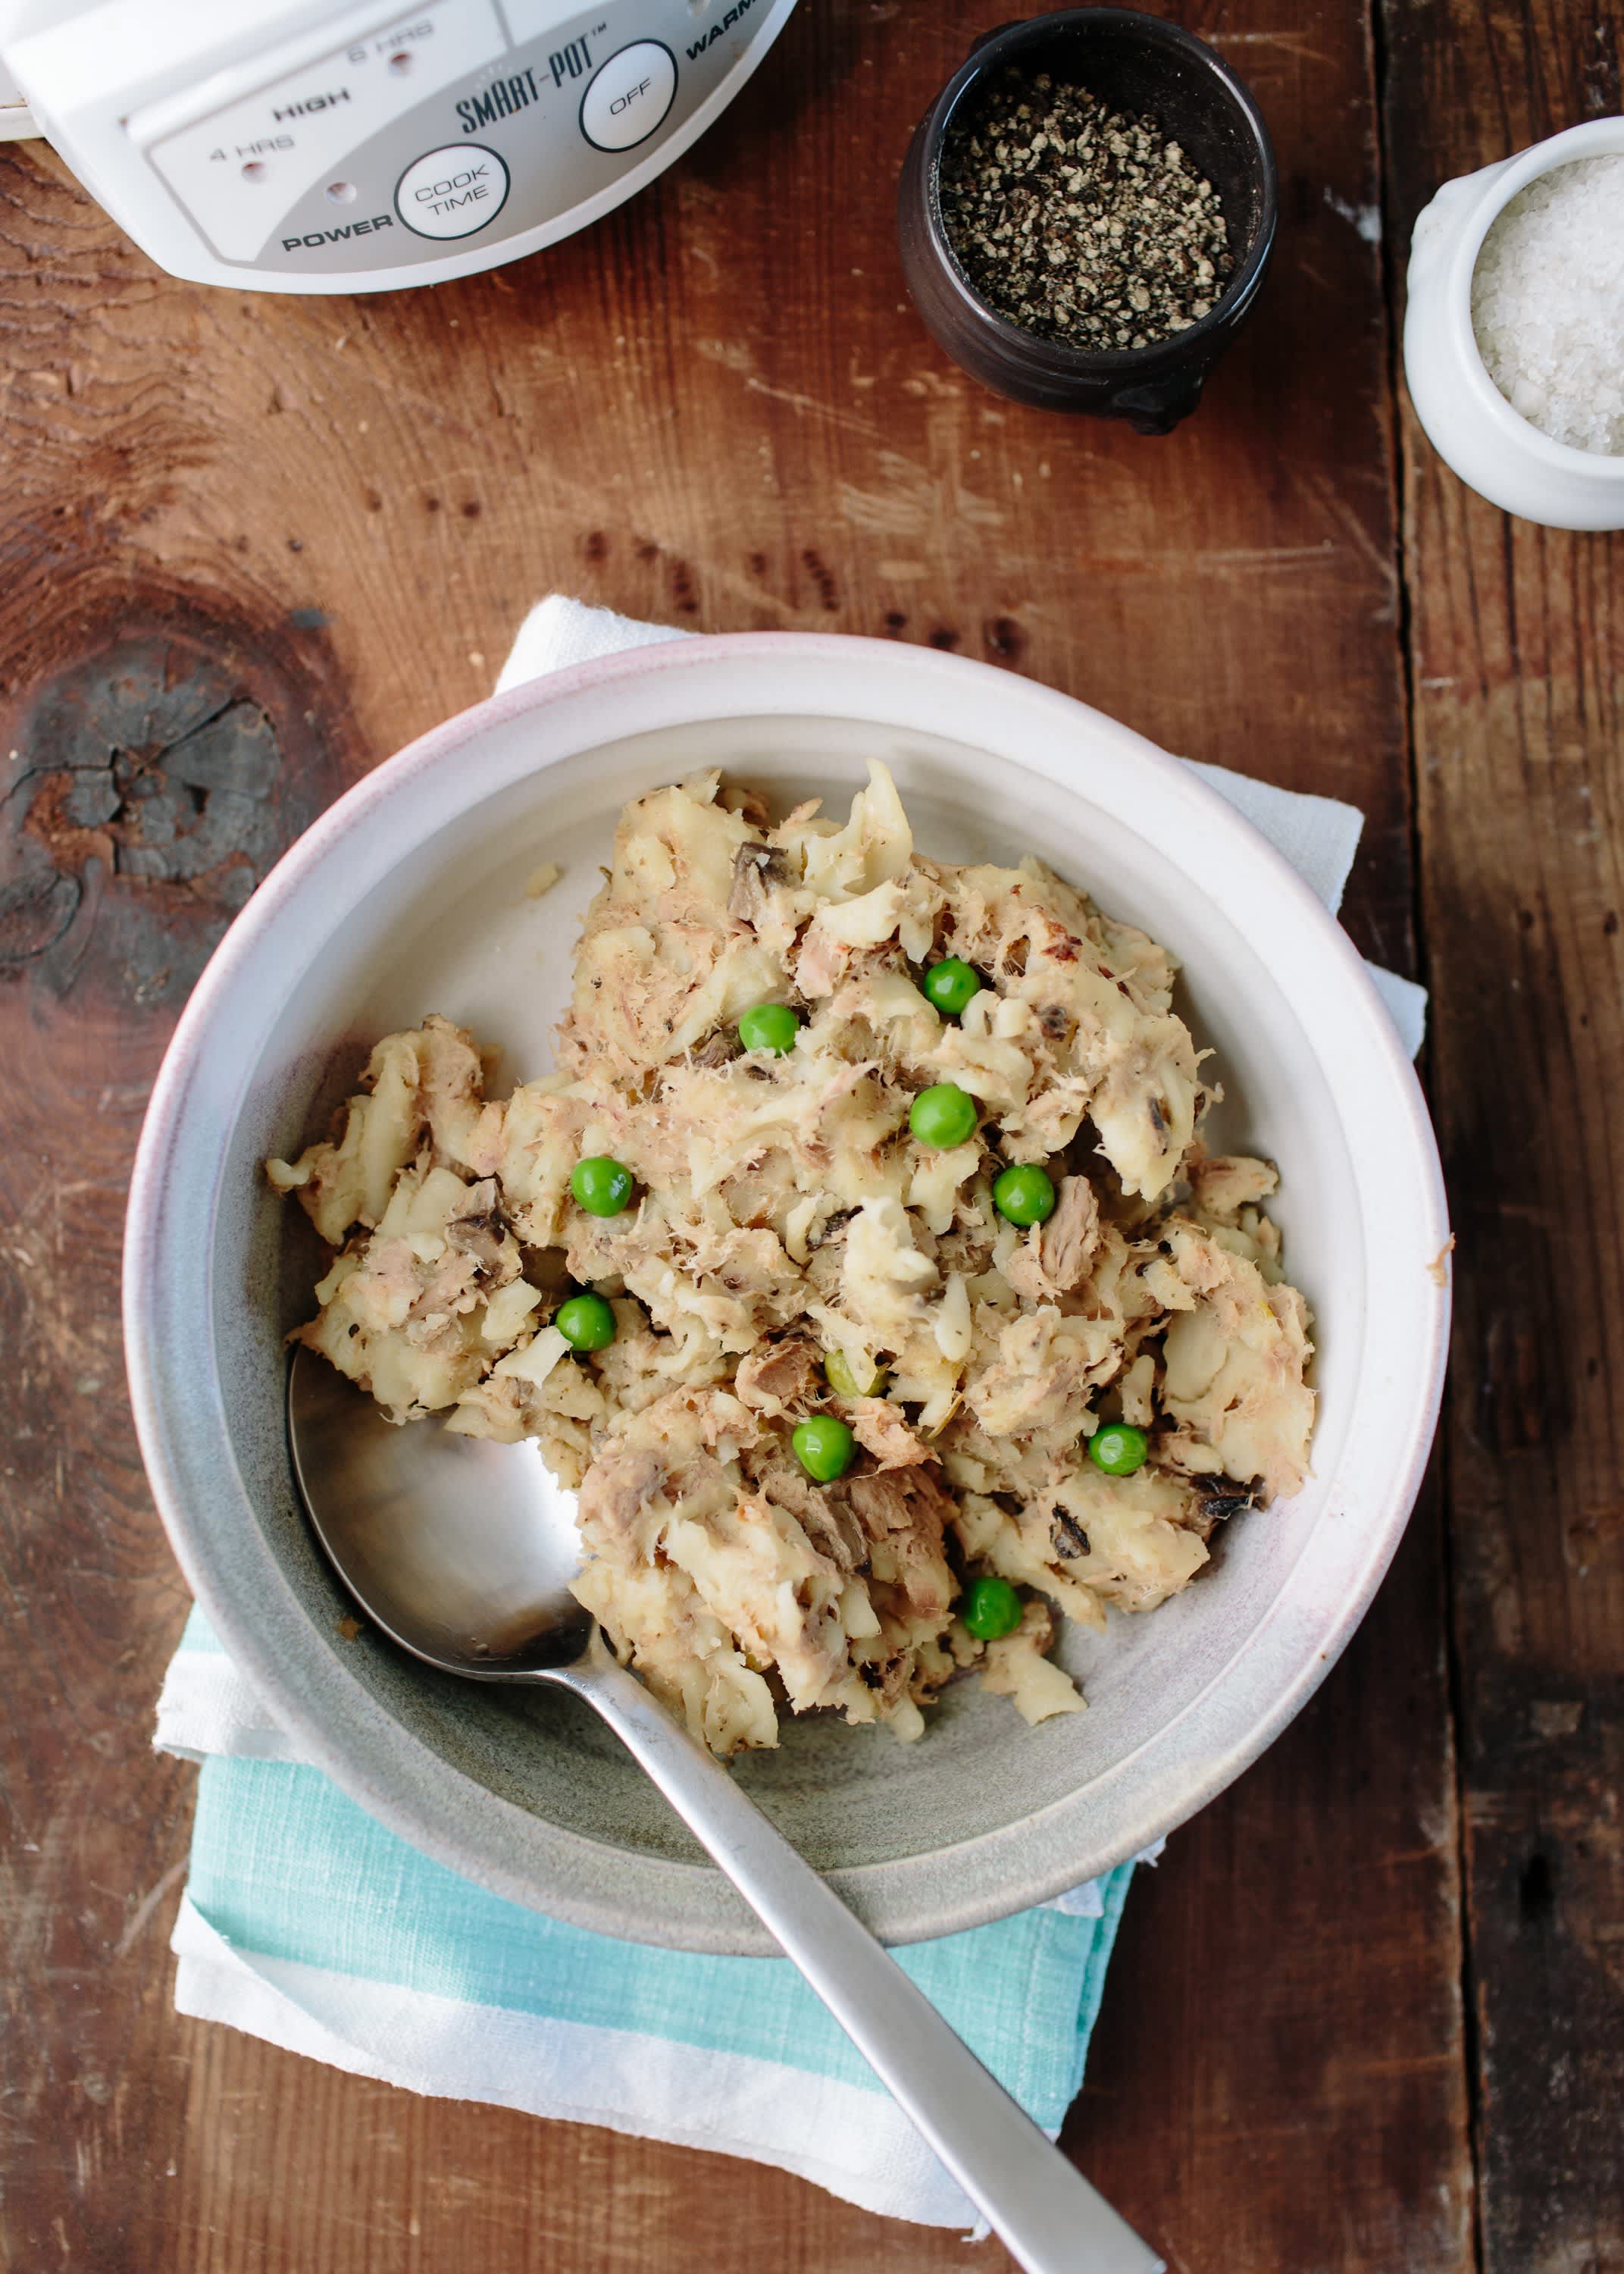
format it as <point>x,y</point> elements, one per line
<point>1305,2073</point>
<point>1517,662</point>
<point>714,408</point>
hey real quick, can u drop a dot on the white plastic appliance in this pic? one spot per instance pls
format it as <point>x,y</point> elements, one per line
<point>290,145</point>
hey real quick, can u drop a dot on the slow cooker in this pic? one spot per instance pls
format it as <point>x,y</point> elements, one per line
<point>307,149</point>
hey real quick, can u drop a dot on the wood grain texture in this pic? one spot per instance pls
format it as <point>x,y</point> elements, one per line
<point>1517,662</point>
<point>248,547</point>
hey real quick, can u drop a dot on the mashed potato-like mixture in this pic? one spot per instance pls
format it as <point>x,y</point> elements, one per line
<point>782,1213</point>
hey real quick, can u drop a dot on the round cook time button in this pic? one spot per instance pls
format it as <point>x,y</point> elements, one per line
<point>452,193</point>
<point>629,96</point>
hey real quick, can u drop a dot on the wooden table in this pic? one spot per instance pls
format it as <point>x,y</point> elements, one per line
<point>1365,2019</point>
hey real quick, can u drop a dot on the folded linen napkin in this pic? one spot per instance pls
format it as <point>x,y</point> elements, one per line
<point>306,1923</point>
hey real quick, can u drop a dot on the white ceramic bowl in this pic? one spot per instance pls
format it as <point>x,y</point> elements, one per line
<point>1468,422</point>
<point>408,897</point>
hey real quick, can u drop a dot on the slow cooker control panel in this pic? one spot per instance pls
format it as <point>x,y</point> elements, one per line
<point>462,123</point>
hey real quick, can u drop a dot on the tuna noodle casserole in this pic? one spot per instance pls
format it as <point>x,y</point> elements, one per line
<point>862,1265</point>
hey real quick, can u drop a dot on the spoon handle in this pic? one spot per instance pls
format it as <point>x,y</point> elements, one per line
<point>1049,2217</point>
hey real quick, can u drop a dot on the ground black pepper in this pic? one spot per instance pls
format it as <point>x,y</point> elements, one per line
<point>1077,222</point>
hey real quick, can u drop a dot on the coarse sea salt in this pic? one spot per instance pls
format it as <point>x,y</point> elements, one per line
<point>1548,304</point>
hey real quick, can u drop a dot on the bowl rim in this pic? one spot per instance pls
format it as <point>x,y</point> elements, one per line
<point>680,1905</point>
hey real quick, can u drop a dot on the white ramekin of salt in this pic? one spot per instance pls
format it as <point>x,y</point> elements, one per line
<point>1514,339</point>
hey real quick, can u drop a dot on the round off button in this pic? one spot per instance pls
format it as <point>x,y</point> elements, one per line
<point>452,193</point>
<point>629,96</point>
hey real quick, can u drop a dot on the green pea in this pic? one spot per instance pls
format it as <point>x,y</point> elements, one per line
<point>586,1322</point>
<point>942,1115</point>
<point>838,1373</point>
<point>602,1186</point>
<point>1024,1195</point>
<point>990,1608</point>
<point>824,1447</point>
<point>770,1027</point>
<point>951,986</point>
<point>1118,1449</point>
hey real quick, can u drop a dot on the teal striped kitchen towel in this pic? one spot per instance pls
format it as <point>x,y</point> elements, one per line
<point>305,1921</point>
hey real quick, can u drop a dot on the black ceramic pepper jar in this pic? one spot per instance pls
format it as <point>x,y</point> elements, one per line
<point>1146,67</point>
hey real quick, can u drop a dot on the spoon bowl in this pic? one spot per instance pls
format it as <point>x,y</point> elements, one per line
<point>460,1550</point>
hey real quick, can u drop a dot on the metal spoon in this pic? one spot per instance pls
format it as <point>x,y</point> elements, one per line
<point>462,1552</point>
